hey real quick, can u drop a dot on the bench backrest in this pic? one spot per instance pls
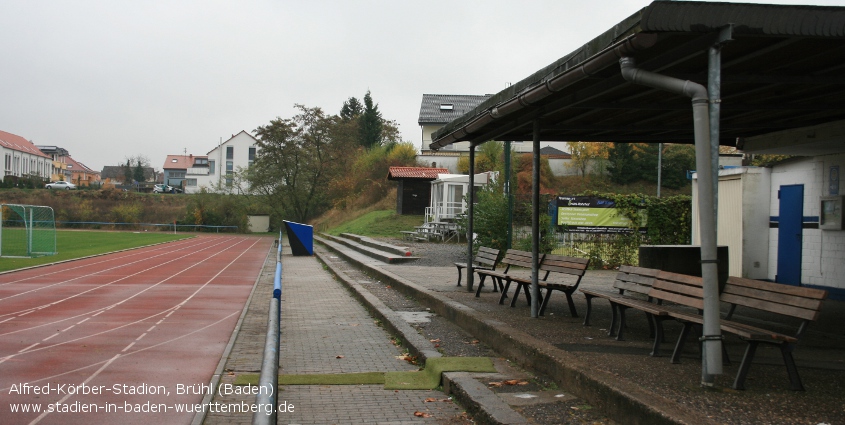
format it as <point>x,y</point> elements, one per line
<point>515,257</point>
<point>794,301</point>
<point>679,289</point>
<point>562,264</point>
<point>638,280</point>
<point>487,256</point>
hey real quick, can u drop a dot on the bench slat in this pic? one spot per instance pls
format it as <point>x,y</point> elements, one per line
<point>779,288</point>
<point>677,298</point>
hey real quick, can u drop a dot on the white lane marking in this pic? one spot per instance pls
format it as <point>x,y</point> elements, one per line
<point>151,328</point>
<point>93,375</point>
<point>83,321</point>
<point>128,346</point>
<point>27,348</point>
<point>123,355</point>
<point>50,337</point>
<point>142,335</point>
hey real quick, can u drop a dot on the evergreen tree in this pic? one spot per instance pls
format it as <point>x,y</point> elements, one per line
<point>370,123</point>
<point>127,172</point>
<point>351,109</point>
<point>138,172</point>
<point>646,156</point>
<point>621,164</point>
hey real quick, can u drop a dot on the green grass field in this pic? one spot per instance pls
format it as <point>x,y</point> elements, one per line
<point>379,223</point>
<point>76,244</point>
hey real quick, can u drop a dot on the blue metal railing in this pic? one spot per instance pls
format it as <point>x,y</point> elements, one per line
<point>269,378</point>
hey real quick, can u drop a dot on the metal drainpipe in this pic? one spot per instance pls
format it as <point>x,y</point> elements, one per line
<point>470,213</point>
<point>712,339</point>
<point>535,224</point>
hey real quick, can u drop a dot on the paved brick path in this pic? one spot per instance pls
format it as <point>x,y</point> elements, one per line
<point>320,322</point>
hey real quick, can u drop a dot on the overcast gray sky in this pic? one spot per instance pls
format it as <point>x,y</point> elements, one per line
<point>111,79</point>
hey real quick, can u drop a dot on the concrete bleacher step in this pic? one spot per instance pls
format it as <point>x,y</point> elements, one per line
<point>372,248</point>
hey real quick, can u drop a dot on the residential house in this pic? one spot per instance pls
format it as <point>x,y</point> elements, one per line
<point>81,174</point>
<point>21,158</point>
<point>437,110</point>
<point>227,161</point>
<point>185,171</point>
<point>59,156</point>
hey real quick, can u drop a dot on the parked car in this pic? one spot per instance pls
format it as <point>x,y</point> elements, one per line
<point>60,185</point>
<point>163,188</point>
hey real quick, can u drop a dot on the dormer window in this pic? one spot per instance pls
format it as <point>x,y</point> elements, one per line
<point>447,106</point>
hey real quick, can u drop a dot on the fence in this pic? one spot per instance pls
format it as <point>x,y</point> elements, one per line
<point>145,226</point>
<point>603,249</point>
<point>269,377</point>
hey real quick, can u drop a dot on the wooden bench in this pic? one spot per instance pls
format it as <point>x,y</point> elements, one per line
<point>632,285</point>
<point>794,302</point>
<point>560,273</point>
<point>513,258</point>
<point>485,259</point>
<point>408,235</point>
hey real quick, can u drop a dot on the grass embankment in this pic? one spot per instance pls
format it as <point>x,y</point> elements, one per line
<point>382,223</point>
<point>77,244</point>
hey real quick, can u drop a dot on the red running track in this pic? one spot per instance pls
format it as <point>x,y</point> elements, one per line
<point>111,339</point>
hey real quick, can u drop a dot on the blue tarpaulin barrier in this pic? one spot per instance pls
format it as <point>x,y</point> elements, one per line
<point>300,238</point>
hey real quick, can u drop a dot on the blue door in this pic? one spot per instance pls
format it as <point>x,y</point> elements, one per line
<point>789,234</point>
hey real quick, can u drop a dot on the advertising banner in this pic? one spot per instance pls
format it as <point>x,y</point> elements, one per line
<point>585,214</point>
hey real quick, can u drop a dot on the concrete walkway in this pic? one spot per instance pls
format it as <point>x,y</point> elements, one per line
<point>325,330</point>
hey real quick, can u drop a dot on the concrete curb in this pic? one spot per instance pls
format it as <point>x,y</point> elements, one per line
<point>622,401</point>
<point>484,405</point>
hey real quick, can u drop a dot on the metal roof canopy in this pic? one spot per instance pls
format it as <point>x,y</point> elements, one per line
<point>782,70</point>
<point>779,72</point>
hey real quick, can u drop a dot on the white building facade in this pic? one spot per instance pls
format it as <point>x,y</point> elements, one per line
<point>225,163</point>
<point>21,158</point>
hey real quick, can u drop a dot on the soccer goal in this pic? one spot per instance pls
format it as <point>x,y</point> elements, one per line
<point>27,231</point>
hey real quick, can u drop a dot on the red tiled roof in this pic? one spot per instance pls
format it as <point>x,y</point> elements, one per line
<point>180,162</point>
<point>415,173</point>
<point>18,143</point>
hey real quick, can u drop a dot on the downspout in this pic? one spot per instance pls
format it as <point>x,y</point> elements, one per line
<point>712,337</point>
<point>470,213</point>
<point>535,224</point>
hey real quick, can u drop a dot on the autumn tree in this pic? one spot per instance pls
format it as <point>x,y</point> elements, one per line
<point>584,154</point>
<point>296,163</point>
<point>488,157</point>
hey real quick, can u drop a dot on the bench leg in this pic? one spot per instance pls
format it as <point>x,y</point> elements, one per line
<point>658,335</point>
<point>589,309</point>
<point>545,302</point>
<point>460,275</point>
<point>481,285</point>
<point>739,382</point>
<point>679,346</point>
<point>794,380</point>
<point>571,303</point>
<point>614,319</point>
<point>622,323</point>
<point>505,291</point>
<point>519,286</point>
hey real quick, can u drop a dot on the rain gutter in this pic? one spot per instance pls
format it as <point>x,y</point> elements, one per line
<point>712,336</point>
<point>536,94</point>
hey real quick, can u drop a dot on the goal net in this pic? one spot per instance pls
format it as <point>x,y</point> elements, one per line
<point>27,231</point>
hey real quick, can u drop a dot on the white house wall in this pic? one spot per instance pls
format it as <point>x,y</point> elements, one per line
<point>19,164</point>
<point>216,177</point>
<point>823,251</point>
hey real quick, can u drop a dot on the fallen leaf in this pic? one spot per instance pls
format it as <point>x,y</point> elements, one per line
<point>406,358</point>
<point>494,384</point>
<point>421,414</point>
<point>515,382</point>
<point>430,400</point>
<point>339,357</point>
<point>434,340</point>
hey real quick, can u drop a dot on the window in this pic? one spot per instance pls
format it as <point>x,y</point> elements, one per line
<point>174,160</point>
<point>201,161</point>
<point>230,152</point>
<point>211,167</point>
<point>177,174</point>
<point>190,182</point>
<point>251,156</point>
